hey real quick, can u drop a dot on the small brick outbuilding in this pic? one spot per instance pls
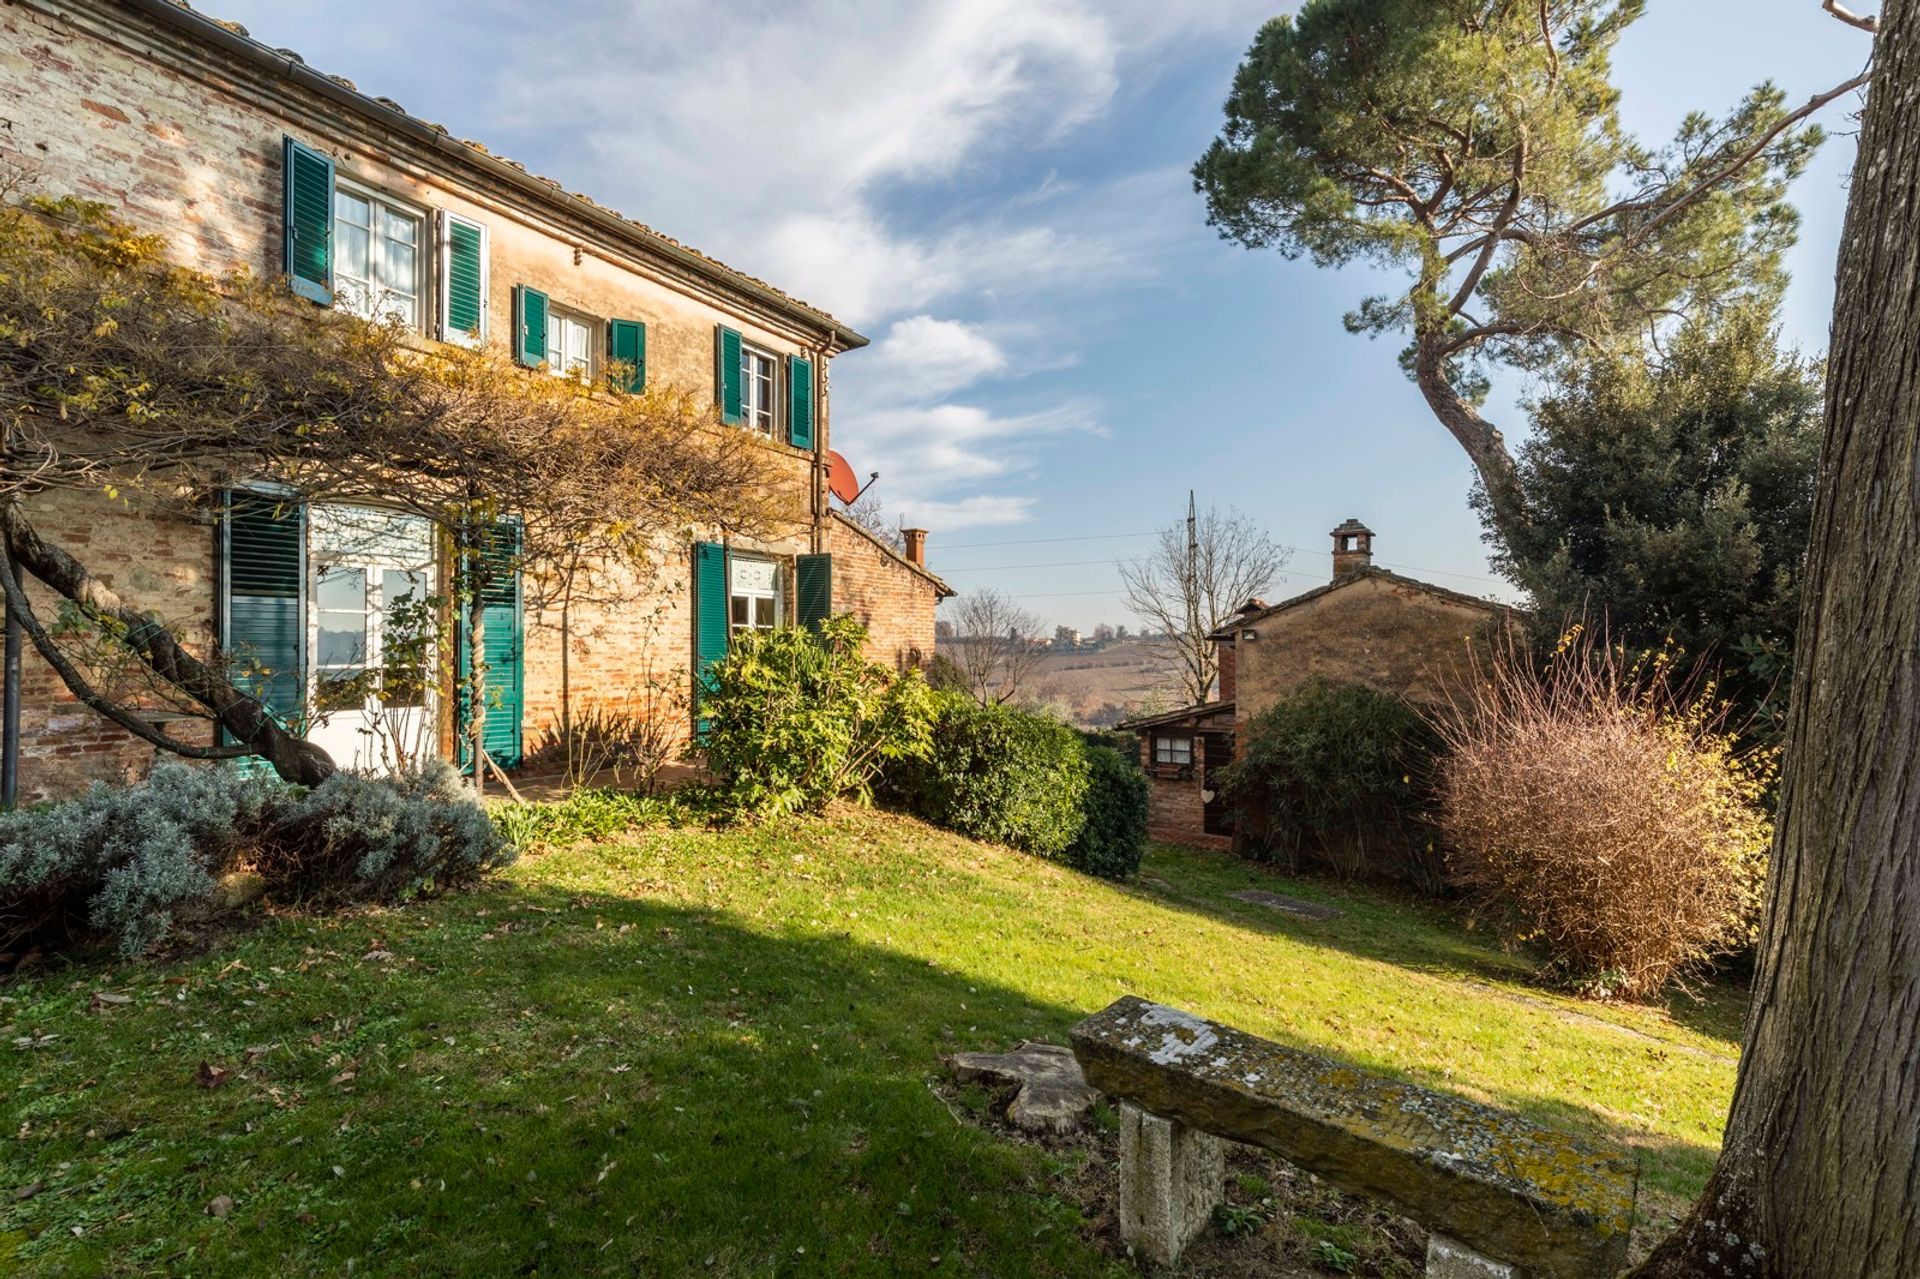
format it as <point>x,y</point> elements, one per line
<point>1366,626</point>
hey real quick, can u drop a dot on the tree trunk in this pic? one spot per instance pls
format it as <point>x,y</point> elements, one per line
<point>477,683</point>
<point>1820,1171</point>
<point>293,758</point>
<point>1485,446</point>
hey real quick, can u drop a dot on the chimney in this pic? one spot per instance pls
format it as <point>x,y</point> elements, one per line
<point>916,545</point>
<point>1352,548</point>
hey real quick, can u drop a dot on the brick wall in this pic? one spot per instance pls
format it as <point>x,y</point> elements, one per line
<point>1386,633</point>
<point>187,142</point>
<point>159,561</point>
<point>885,592</point>
<point>1176,813</point>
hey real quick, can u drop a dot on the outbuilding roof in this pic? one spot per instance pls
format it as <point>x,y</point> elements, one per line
<point>1348,578</point>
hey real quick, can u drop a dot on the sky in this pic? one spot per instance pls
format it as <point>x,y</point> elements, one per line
<point>997,192</point>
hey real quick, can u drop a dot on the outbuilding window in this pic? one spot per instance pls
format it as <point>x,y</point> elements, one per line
<point>1172,749</point>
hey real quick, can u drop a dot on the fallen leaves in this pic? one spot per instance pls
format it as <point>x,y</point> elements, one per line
<point>209,1076</point>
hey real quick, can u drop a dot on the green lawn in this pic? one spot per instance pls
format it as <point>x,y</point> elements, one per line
<point>711,1053</point>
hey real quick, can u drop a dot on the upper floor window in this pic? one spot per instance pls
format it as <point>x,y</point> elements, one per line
<point>756,389</point>
<point>569,344</point>
<point>376,256</point>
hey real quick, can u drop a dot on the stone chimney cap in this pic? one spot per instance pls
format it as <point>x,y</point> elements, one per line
<point>1352,526</point>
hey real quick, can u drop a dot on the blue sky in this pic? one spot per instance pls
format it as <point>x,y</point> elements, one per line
<point>996,192</point>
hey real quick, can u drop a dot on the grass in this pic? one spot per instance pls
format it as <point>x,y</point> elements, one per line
<point>710,1053</point>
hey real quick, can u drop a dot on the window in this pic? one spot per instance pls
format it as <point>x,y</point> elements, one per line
<point>569,344</point>
<point>1172,750</point>
<point>753,595</point>
<point>376,256</point>
<point>756,389</point>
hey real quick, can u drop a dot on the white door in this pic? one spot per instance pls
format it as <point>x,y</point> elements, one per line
<point>371,664</point>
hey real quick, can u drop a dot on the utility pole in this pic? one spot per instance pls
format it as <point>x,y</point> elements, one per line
<point>1191,587</point>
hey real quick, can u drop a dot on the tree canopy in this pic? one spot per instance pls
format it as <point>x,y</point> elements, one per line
<point>1671,499</point>
<point>1476,147</point>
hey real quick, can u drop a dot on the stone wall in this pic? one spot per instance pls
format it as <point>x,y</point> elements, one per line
<point>1376,629</point>
<point>893,599</point>
<point>186,141</point>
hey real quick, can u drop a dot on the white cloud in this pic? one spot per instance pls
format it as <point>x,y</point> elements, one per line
<point>923,358</point>
<point>787,140</point>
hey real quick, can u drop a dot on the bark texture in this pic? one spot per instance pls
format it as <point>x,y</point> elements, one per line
<point>1819,1174</point>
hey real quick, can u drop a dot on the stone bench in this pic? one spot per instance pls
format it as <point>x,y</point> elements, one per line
<point>1502,1197</point>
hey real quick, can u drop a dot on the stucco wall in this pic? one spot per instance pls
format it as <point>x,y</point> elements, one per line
<point>190,147</point>
<point>1390,635</point>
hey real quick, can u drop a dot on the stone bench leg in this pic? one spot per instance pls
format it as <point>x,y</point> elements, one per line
<point>1451,1259</point>
<point>1171,1179</point>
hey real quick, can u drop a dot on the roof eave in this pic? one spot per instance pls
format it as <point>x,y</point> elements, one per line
<point>210,29</point>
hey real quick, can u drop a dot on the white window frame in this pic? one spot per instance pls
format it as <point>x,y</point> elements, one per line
<point>1164,753</point>
<point>559,318</point>
<point>422,250</point>
<point>443,252</point>
<point>770,425</point>
<point>753,595</point>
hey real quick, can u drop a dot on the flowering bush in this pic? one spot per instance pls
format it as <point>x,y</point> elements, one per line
<point>1602,813</point>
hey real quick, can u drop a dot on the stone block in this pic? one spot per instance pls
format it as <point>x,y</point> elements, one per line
<point>1451,1259</point>
<point>1548,1201</point>
<point>1172,1177</point>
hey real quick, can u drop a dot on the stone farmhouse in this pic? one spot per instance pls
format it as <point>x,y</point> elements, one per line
<point>1367,625</point>
<point>245,157</point>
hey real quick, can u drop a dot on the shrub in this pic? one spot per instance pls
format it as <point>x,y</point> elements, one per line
<point>122,859</point>
<point>125,860</point>
<point>379,838</point>
<point>1601,812</point>
<point>590,814</point>
<point>796,719</point>
<point>1115,834</point>
<point>997,773</point>
<point>627,739</point>
<point>1341,773</point>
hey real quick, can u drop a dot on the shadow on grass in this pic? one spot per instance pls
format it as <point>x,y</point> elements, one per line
<point>535,1082</point>
<point>1395,928</point>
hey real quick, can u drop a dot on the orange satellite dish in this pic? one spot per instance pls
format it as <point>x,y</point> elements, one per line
<point>840,479</point>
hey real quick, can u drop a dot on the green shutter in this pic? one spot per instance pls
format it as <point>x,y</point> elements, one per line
<point>307,251</point>
<point>262,631</point>
<point>627,343</point>
<point>813,589</point>
<point>466,248</point>
<point>800,406</point>
<point>502,647</point>
<point>529,326</point>
<point>709,616</point>
<point>726,348</point>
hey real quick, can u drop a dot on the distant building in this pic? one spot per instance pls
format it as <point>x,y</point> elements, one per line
<point>1066,637</point>
<point>1366,626</point>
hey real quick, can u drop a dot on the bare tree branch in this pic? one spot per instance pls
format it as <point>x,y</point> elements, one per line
<point>1866,22</point>
<point>1186,591</point>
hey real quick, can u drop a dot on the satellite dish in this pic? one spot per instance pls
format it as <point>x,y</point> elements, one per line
<point>840,478</point>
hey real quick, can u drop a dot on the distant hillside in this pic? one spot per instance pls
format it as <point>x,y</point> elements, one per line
<point>1097,686</point>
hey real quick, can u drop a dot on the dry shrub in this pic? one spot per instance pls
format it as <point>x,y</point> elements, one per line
<point>1599,810</point>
